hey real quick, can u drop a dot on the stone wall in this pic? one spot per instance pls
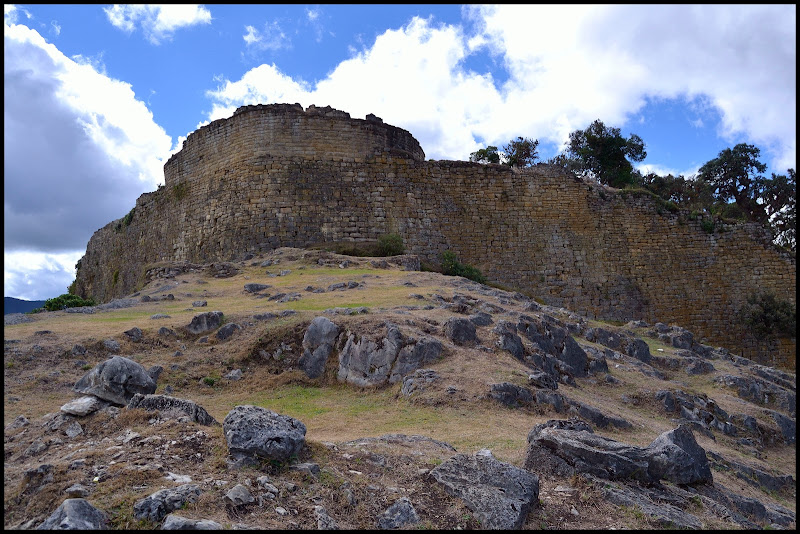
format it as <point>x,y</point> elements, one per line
<point>246,184</point>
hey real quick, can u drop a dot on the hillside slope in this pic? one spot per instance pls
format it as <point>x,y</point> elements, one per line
<point>420,375</point>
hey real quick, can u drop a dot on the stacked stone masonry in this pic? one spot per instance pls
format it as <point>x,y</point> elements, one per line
<point>273,176</point>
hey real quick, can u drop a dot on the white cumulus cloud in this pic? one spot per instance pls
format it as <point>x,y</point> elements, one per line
<point>158,22</point>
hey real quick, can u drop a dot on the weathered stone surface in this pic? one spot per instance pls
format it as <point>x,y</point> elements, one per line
<point>676,456</point>
<point>255,288</point>
<point>413,356</point>
<point>540,379</point>
<point>176,522</point>
<point>172,407</point>
<point>639,349</point>
<point>318,343</point>
<point>499,494</point>
<point>116,380</point>
<point>254,433</point>
<point>399,514</point>
<point>366,362</point>
<point>134,334</point>
<point>511,395</point>
<point>239,495</point>
<point>83,406</point>
<point>418,381</point>
<point>205,322</point>
<point>75,514</point>
<point>227,331</point>
<point>460,331</point>
<point>157,505</point>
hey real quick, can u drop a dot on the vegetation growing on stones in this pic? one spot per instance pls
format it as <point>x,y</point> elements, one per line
<point>65,301</point>
<point>452,267</point>
<point>768,316</point>
<point>390,245</point>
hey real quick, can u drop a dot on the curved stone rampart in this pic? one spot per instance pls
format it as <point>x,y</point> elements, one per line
<point>600,252</point>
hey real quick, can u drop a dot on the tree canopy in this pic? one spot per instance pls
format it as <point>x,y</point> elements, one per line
<point>603,152</point>
<point>519,152</point>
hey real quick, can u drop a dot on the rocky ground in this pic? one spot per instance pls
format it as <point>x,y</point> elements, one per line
<point>362,393</point>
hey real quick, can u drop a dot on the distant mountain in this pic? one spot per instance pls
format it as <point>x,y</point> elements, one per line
<point>12,305</point>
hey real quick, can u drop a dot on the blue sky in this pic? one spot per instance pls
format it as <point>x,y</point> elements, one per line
<point>98,97</point>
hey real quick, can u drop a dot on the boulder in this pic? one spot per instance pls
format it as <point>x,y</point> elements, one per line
<point>639,349</point>
<point>156,506</point>
<point>172,406</point>
<point>460,331</point>
<point>227,331</point>
<point>499,494</point>
<point>255,433</point>
<point>134,334</point>
<point>318,343</point>
<point>205,322</point>
<point>238,496</point>
<point>116,380</point>
<point>676,456</point>
<point>400,514</point>
<point>75,514</point>
<point>511,395</point>
<point>83,406</point>
<point>175,522</point>
<point>255,288</point>
<point>413,356</point>
<point>366,362</point>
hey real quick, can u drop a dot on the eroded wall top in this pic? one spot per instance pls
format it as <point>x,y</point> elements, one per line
<point>261,132</point>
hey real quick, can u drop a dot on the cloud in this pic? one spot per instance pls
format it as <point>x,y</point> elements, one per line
<point>78,150</point>
<point>158,22</point>
<point>272,38</point>
<point>35,276</point>
<point>581,63</point>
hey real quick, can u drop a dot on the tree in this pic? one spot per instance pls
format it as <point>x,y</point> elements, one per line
<point>780,202</point>
<point>488,154</point>
<point>603,152</point>
<point>733,176</point>
<point>521,152</point>
<point>690,194</point>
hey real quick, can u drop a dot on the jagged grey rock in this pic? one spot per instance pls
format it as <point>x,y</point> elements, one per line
<point>254,433</point>
<point>176,522</point>
<point>418,381</point>
<point>156,506</point>
<point>75,514</point>
<point>239,495</point>
<point>365,362</point>
<point>676,456</point>
<point>112,345</point>
<point>499,494</point>
<point>205,322</point>
<point>116,380</point>
<point>83,406</point>
<point>227,331</point>
<point>134,334</point>
<point>324,521</point>
<point>172,406</point>
<point>639,349</point>
<point>400,514</point>
<point>511,395</point>
<point>413,356</point>
<point>460,331</point>
<point>255,288</point>
<point>540,379</point>
<point>318,343</point>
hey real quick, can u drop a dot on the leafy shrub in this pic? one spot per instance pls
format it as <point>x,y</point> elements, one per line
<point>766,315</point>
<point>452,267</point>
<point>67,301</point>
<point>390,245</point>
<point>707,226</point>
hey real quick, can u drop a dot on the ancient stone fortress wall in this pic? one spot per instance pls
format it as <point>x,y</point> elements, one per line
<point>273,176</point>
